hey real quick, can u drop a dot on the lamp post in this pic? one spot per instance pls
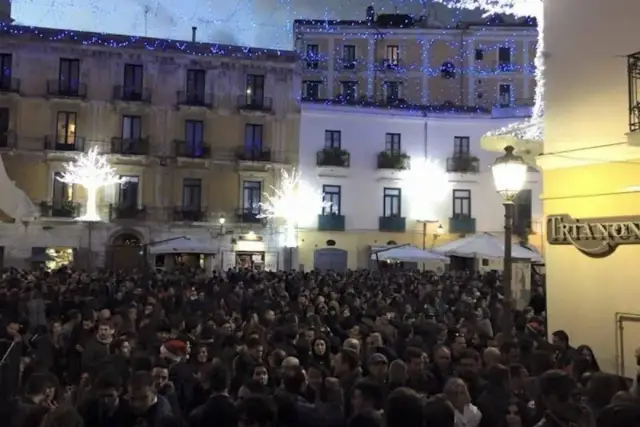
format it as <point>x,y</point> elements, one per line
<point>509,174</point>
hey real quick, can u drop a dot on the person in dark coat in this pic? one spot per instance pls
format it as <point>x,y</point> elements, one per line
<point>29,410</point>
<point>493,403</point>
<point>144,406</point>
<point>100,410</point>
<point>98,349</point>
<point>219,408</point>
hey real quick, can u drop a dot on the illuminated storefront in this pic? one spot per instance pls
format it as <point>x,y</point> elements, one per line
<point>591,174</point>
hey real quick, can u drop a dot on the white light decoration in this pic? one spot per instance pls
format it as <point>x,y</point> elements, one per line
<point>295,201</point>
<point>509,174</point>
<point>531,129</point>
<point>92,171</point>
<point>427,185</point>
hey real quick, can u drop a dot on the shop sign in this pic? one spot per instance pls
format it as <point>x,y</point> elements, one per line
<point>595,237</point>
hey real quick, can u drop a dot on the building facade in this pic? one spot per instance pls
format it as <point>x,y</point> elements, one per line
<point>398,60</point>
<point>398,177</point>
<point>590,169</point>
<point>198,131</point>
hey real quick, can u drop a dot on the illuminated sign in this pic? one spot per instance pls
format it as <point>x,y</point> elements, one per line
<point>595,237</point>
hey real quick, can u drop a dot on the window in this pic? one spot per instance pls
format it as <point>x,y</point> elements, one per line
<point>69,76</point>
<point>6,68</point>
<point>66,128</point>
<point>251,197</point>
<point>504,59</point>
<point>131,127</point>
<point>332,139</point>
<point>392,202</point>
<point>349,90</point>
<point>255,89</point>
<point>448,70</point>
<point>522,212</point>
<point>392,143</point>
<point>193,136</point>
<point>393,91</point>
<point>5,115</point>
<point>191,194</point>
<point>461,203</point>
<point>196,82</point>
<point>331,194</point>
<point>479,54</point>
<point>313,52</point>
<point>311,90</point>
<point>132,84</point>
<point>62,191</point>
<point>128,191</point>
<point>461,146</point>
<point>253,137</point>
<point>393,55</point>
<point>504,95</point>
<point>349,56</point>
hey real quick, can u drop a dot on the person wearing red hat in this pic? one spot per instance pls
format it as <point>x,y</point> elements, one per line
<point>174,351</point>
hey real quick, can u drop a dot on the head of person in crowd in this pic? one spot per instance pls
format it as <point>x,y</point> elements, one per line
<point>404,408</point>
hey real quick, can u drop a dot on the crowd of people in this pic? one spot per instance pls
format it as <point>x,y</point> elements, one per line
<point>293,349</point>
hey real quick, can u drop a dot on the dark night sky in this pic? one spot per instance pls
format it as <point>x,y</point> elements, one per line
<point>264,23</point>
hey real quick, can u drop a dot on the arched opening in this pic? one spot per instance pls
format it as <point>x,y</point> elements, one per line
<point>126,251</point>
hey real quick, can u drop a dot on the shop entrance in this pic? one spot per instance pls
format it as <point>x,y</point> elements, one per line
<point>252,260</point>
<point>126,252</point>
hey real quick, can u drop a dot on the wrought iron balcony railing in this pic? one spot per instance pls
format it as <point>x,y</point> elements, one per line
<point>393,160</point>
<point>131,94</point>
<point>127,211</point>
<point>191,149</point>
<point>62,143</point>
<point>9,84</point>
<point>130,146</point>
<point>255,103</point>
<point>336,157</point>
<point>66,89</point>
<point>463,164</point>
<point>189,214</point>
<point>633,73</point>
<point>59,209</point>
<point>249,216</point>
<point>195,99</point>
<point>249,154</point>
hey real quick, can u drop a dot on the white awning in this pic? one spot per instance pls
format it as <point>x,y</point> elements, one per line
<point>184,245</point>
<point>407,254</point>
<point>485,245</point>
<point>15,202</point>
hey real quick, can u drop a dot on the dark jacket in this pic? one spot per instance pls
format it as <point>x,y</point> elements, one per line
<point>94,355</point>
<point>26,413</point>
<point>219,410</point>
<point>152,417</point>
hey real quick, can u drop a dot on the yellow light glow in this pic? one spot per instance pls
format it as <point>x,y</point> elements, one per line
<point>427,186</point>
<point>509,178</point>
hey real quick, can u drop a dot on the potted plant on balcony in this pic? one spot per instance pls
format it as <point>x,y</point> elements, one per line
<point>335,156</point>
<point>465,163</point>
<point>392,160</point>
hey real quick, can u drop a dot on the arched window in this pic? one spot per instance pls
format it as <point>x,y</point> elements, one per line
<point>331,242</point>
<point>391,243</point>
<point>127,239</point>
<point>448,70</point>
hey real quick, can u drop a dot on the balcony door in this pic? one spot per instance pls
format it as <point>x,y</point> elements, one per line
<point>131,128</point>
<point>69,76</point>
<point>128,192</point>
<point>194,135</point>
<point>66,130</point>
<point>196,80</point>
<point>255,90</point>
<point>461,147</point>
<point>251,197</point>
<point>62,191</point>
<point>192,194</point>
<point>253,144</point>
<point>133,81</point>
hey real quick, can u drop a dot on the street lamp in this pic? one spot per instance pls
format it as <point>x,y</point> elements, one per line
<point>509,174</point>
<point>439,232</point>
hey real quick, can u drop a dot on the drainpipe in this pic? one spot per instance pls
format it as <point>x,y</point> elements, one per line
<point>193,34</point>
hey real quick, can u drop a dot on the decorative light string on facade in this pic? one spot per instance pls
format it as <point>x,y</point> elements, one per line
<point>531,129</point>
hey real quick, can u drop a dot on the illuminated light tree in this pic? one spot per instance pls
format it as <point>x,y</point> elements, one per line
<point>295,201</point>
<point>532,129</point>
<point>427,185</point>
<point>92,171</point>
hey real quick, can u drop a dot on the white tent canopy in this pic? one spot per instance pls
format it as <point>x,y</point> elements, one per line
<point>408,254</point>
<point>183,245</point>
<point>15,202</point>
<point>485,245</point>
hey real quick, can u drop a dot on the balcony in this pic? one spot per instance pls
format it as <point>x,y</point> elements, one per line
<point>331,222</point>
<point>66,89</point>
<point>194,99</point>
<point>633,73</point>
<point>463,164</point>
<point>60,143</point>
<point>59,209</point>
<point>392,223</point>
<point>249,216</point>
<point>126,211</point>
<point>248,154</point>
<point>9,85</point>
<point>254,103</point>
<point>462,224</point>
<point>393,160</point>
<point>388,65</point>
<point>8,139</point>
<point>189,214</point>
<point>131,94</point>
<point>333,157</point>
<point>191,149</point>
<point>130,146</point>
